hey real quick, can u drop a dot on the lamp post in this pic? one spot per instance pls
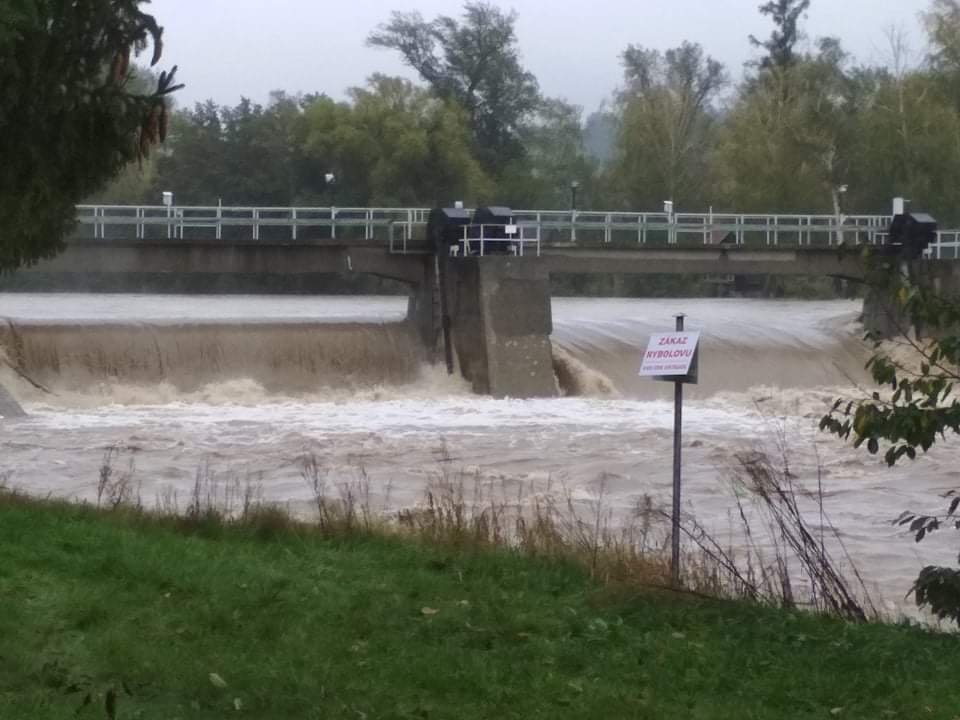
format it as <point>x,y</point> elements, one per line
<point>671,230</point>
<point>838,192</point>
<point>574,186</point>
<point>168,203</point>
<point>330,185</point>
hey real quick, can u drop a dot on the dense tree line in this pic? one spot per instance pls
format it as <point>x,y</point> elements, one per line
<point>804,122</point>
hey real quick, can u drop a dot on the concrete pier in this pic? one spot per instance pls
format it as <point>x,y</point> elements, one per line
<point>501,319</point>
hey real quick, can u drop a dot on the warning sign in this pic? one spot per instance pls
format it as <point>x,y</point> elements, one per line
<point>670,354</point>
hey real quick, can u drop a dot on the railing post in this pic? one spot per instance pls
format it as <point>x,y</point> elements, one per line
<point>573,226</point>
<point>293,223</point>
<point>607,229</point>
<point>333,223</point>
<point>219,230</point>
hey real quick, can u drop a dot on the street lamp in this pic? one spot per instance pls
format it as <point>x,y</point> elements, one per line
<point>330,181</point>
<point>838,192</point>
<point>168,203</point>
<point>671,231</point>
<point>574,186</point>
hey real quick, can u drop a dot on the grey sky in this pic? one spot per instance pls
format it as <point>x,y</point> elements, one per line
<point>230,48</point>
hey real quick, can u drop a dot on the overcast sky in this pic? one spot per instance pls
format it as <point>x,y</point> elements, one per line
<point>232,48</point>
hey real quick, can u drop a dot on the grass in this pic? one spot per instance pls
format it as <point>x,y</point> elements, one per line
<point>122,614</point>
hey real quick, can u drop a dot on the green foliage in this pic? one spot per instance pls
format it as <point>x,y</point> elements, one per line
<point>942,23</point>
<point>394,145</point>
<point>938,588</point>
<point>268,621</point>
<point>70,116</point>
<point>917,405</point>
<point>390,144</point>
<point>780,47</point>
<point>555,156</point>
<point>667,125</point>
<point>244,155</point>
<point>788,140</point>
<point>475,63</point>
<point>913,408</point>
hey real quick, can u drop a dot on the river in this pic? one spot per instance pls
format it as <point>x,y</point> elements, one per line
<point>247,385</point>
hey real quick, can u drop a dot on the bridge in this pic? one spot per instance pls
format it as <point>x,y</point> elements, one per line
<point>500,320</point>
<point>399,228</point>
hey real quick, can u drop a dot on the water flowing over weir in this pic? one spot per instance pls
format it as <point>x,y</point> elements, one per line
<point>246,386</point>
<point>745,345</point>
<point>282,358</point>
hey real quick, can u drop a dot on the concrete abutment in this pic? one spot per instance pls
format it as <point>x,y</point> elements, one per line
<point>501,322</point>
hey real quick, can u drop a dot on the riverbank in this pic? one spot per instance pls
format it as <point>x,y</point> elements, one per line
<point>144,616</point>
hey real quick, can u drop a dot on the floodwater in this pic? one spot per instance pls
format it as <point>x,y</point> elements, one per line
<point>245,387</point>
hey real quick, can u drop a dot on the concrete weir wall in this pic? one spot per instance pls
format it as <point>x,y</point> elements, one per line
<point>881,314</point>
<point>501,324</point>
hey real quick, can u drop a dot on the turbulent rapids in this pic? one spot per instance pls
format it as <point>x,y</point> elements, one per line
<point>247,385</point>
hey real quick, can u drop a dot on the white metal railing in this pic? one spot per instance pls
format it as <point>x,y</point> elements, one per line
<point>175,222</point>
<point>474,239</point>
<point>403,228</point>
<point>947,246</point>
<point>485,238</point>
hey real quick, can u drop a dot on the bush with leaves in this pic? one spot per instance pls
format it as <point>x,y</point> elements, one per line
<point>914,406</point>
<point>69,122</point>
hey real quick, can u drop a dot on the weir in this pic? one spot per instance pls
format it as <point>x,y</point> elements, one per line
<point>498,305</point>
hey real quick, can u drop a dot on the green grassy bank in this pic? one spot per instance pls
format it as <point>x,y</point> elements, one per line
<point>119,615</point>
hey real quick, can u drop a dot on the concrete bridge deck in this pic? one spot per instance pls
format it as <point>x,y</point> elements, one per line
<point>371,257</point>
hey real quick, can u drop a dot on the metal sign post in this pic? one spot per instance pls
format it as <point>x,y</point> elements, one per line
<point>677,432</point>
<point>674,357</point>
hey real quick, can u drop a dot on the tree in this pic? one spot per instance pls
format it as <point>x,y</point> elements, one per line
<point>555,156</point>
<point>913,407</point>
<point>942,22</point>
<point>780,47</point>
<point>667,125</point>
<point>600,135</point>
<point>244,155</point>
<point>69,118</point>
<point>475,63</point>
<point>394,144</point>
<point>789,139</point>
